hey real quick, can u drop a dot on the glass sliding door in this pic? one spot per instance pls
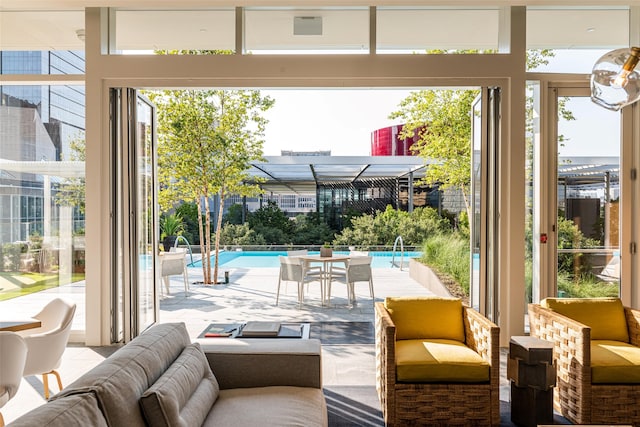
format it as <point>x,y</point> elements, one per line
<point>588,196</point>
<point>483,222</point>
<point>134,297</point>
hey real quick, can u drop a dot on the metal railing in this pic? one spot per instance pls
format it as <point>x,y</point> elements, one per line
<point>175,245</point>
<point>393,253</point>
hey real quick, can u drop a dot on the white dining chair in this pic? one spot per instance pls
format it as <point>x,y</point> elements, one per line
<point>13,355</point>
<point>47,343</point>
<point>357,269</point>
<point>293,269</point>
<point>173,263</point>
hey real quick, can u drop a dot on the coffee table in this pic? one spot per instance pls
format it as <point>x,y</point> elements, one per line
<point>234,330</point>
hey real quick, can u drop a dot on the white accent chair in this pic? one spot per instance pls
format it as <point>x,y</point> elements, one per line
<point>173,263</point>
<point>47,343</point>
<point>358,269</point>
<point>293,269</point>
<point>13,355</point>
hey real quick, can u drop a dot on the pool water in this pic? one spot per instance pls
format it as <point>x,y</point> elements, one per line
<point>258,259</point>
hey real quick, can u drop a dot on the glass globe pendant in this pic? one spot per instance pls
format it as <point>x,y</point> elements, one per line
<point>615,82</point>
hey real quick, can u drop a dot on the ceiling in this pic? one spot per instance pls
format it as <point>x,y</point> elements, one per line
<point>78,4</point>
<point>57,26</point>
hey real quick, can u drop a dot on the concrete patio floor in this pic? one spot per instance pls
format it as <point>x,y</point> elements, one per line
<point>249,295</point>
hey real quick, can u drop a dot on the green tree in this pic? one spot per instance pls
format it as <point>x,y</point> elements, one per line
<point>240,234</point>
<point>383,228</point>
<point>71,191</point>
<point>309,229</point>
<point>189,213</point>
<point>441,120</point>
<point>272,223</point>
<point>207,139</point>
<point>234,214</point>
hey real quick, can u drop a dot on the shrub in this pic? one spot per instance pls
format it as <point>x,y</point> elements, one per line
<point>448,254</point>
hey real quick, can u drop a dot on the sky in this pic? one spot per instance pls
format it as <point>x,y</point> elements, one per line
<point>342,120</point>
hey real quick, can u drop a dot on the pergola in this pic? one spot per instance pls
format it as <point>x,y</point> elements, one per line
<point>302,174</point>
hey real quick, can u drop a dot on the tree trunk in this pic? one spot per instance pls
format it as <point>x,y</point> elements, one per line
<point>202,242</point>
<point>218,228</point>
<point>207,248</point>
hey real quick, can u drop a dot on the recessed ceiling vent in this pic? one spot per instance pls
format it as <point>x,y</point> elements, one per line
<point>307,25</point>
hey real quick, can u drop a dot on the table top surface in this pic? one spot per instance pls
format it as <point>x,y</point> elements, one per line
<point>318,258</point>
<point>19,325</point>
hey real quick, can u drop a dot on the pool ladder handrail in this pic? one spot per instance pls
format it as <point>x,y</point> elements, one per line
<point>175,245</point>
<point>393,252</point>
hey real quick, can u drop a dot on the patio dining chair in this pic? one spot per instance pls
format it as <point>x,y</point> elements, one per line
<point>357,269</point>
<point>293,269</point>
<point>171,264</point>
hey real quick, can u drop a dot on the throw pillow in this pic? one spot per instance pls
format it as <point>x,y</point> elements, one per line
<point>426,317</point>
<point>605,316</point>
<point>184,394</point>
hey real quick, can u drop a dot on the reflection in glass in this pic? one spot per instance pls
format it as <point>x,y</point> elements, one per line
<point>588,199</point>
<point>42,192</point>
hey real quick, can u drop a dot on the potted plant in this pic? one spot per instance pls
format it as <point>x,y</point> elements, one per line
<point>325,250</point>
<point>171,226</point>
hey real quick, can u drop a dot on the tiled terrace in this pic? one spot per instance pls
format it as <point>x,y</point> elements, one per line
<point>249,295</point>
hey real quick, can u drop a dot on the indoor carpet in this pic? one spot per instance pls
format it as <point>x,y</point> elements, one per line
<point>342,333</point>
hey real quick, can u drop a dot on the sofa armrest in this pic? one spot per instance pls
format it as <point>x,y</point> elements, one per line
<point>385,360</point>
<point>264,362</point>
<point>633,325</point>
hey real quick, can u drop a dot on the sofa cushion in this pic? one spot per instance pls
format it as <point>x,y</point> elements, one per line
<point>79,409</point>
<point>120,380</point>
<point>439,360</point>
<point>269,406</point>
<point>184,394</point>
<point>614,362</point>
<point>605,316</point>
<point>426,317</point>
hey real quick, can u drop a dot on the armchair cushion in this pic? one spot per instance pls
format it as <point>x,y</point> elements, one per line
<point>439,360</point>
<point>614,362</point>
<point>605,316</point>
<point>426,317</point>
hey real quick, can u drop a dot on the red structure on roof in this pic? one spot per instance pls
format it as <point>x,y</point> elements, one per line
<point>386,142</point>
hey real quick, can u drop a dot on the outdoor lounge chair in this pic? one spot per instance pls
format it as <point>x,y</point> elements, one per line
<point>597,352</point>
<point>437,363</point>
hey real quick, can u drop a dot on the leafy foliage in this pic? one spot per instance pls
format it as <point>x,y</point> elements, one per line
<point>383,228</point>
<point>171,225</point>
<point>272,223</point>
<point>448,253</point>
<point>71,191</point>
<point>207,140</point>
<point>240,234</point>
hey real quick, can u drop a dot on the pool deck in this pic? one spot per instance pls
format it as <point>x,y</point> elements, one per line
<point>249,295</point>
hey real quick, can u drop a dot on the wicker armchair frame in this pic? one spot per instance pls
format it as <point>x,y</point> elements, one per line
<point>439,403</point>
<point>580,401</point>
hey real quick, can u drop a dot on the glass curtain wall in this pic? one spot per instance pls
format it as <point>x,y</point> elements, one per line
<point>42,162</point>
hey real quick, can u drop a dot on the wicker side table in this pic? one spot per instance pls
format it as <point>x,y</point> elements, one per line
<point>532,372</point>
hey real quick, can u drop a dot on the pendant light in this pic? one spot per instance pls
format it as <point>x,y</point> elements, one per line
<point>615,81</point>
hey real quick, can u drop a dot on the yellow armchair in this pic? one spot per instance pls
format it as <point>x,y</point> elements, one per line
<point>597,351</point>
<point>437,363</point>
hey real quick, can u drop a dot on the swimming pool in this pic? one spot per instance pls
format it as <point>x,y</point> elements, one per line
<point>258,259</point>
